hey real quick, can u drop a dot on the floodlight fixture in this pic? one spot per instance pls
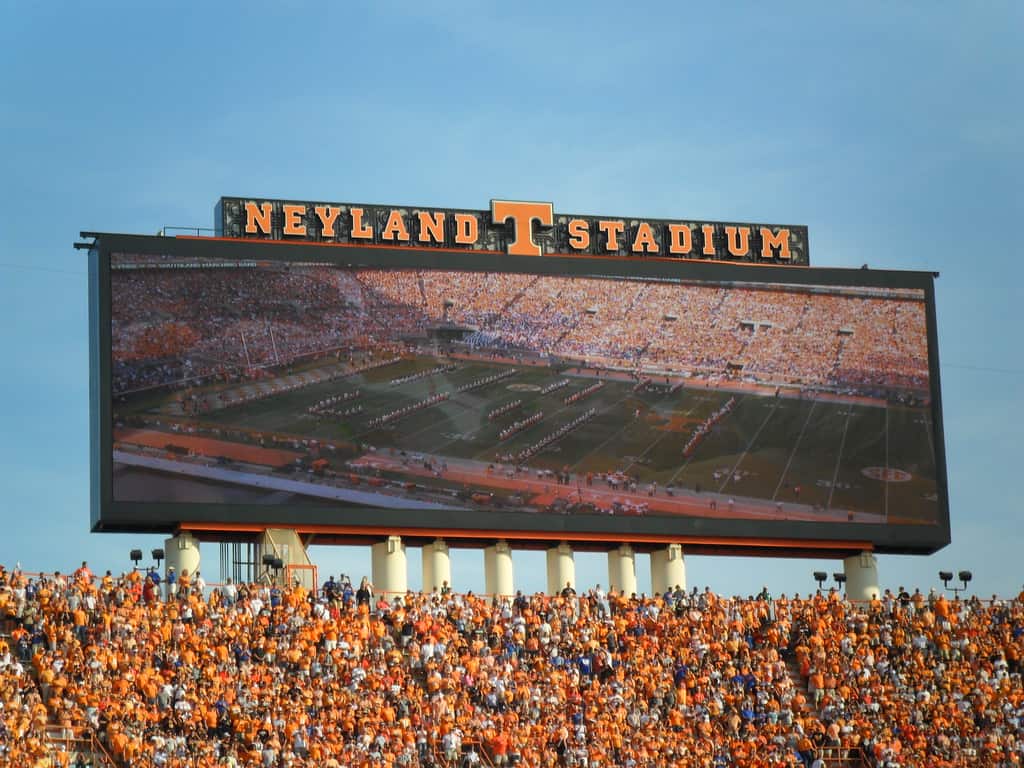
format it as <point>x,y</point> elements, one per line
<point>965,578</point>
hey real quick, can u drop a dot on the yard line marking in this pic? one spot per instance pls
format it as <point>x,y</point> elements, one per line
<point>560,410</point>
<point>931,439</point>
<point>379,396</point>
<point>537,396</point>
<point>652,445</point>
<point>431,425</point>
<point>771,412</point>
<point>457,399</point>
<point>795,447</point>
<point>446,443</point>
<point>839,459</point>
<point>602,445</point>
<point>615,434</point>
<point>672,480</point>
<point>686,463</point>
<point>885,505</point>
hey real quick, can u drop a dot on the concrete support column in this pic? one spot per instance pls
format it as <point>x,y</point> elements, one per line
<point>668,569</point>
<point>622,570</point>
<point>861,576</point>
<point>561,568</point>
<point>437,566</point>
<point>389,572</point>
<point>498,569</point>
<point>181,553</point>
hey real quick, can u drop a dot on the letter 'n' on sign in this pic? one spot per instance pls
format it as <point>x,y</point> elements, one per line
<point>257,218</point>
<point>523,215</point>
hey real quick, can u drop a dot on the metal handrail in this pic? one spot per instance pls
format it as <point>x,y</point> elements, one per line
<point>844,757</point>
<point>165,231</point>
<point>79,739</point>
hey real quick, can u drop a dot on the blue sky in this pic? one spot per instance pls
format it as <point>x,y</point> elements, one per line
<point>894,134</point>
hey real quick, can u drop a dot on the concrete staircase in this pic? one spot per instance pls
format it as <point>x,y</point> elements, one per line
<point>799,683</point>
<point>833,756</point>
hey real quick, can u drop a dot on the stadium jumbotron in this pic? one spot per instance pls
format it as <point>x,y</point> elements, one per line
<point>264,393</point>
<point>444,384</point>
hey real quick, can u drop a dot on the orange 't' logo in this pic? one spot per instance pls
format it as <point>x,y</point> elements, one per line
<point>523,215</point>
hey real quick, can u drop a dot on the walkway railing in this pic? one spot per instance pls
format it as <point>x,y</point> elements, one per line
<point>191,231</point>
<point>75,740</point>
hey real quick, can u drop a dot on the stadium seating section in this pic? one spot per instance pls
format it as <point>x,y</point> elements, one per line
<point>254,675</point>
<point>170,325</point>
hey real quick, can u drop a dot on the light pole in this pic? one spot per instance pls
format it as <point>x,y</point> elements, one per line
<point>275,563</point>
<point>136,556</point>
<point>964,577</point>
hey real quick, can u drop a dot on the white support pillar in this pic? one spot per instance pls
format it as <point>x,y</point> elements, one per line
<point>861,576</point>
<point>437,566</point>
<point>668,569</point>
<point>498,569</point>
<point>561,568</point>
<point>181,553</point>
<point>389,571</point>
<point>622,570</point>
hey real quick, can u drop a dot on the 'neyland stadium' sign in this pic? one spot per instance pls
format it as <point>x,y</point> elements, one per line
<point>514,227</point>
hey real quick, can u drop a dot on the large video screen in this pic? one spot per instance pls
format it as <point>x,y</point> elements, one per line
<point>483,395</point>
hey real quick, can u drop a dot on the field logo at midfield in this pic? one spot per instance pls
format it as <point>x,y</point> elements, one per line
<point>524,387</point>
<point>677,422</point>
<point>886,474</point>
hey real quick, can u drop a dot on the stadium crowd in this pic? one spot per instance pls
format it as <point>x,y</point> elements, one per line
<point>234,320</point>
<point>179,324</point>
<point>276,675</point>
